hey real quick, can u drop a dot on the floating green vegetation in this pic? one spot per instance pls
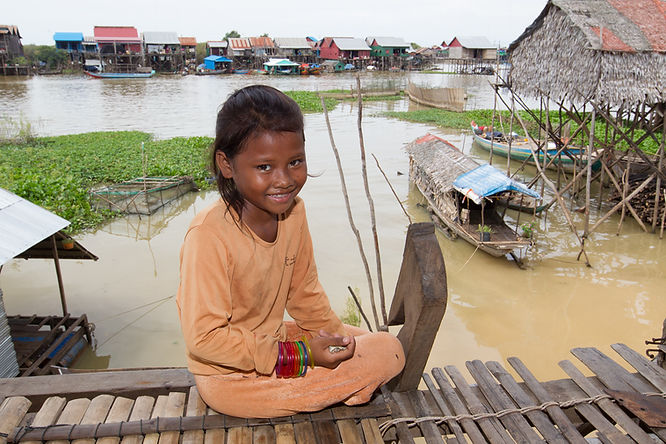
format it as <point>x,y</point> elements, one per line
<point>310,102</point>
<point>58,172</point>
<point>461,120</point>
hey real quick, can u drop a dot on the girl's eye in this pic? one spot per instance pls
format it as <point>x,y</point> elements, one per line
<point>264,167</point>
<point>296,162</point>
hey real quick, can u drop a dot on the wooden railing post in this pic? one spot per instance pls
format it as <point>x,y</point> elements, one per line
<point>419,302</point>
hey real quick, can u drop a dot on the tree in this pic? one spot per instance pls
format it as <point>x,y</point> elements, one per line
<point>45,55</point>
<point>201,52</point>
<point>265,34</point>
<point>233,34</point>
<point>415,46</point>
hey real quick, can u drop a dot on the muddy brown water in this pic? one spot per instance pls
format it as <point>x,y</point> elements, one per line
<point>495,310</point>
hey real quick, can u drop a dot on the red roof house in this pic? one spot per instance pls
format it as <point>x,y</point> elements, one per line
<point>122,38</point>
<point>332,48</point>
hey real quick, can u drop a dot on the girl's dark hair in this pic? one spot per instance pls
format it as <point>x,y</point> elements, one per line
<point>246,113</point>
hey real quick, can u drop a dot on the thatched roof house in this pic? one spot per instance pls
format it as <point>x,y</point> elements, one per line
<point>609,51</point>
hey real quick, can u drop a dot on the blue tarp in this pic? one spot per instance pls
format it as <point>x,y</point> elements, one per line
<point>68,36</point>
<point>211,60</point>
<point>487,180</point>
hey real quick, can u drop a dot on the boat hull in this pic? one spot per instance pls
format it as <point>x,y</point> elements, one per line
<point>120,75</point>
<point>521,152</point>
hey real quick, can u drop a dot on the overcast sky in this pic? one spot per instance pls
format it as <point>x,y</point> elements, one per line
<point>426,22</point>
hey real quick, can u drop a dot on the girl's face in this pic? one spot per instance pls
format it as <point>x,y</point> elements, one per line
<point>268,172</point>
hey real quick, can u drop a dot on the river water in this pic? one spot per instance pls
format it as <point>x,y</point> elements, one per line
<point>495,309</point>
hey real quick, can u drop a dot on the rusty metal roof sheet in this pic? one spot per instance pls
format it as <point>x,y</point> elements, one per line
<point>188,41</point>
<point>239,43</point>
<point>261,42</point>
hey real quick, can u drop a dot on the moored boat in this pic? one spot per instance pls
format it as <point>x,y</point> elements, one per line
<point>463,194</point>
<point>121,75</point>
<point>568,159</point>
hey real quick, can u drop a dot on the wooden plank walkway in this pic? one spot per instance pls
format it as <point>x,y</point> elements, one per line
<point>496,408</point>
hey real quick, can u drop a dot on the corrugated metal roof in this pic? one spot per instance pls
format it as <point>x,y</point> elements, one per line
<point>612,25</point>
<point>388,42</point>
<point>351,44</point>
<point>23,224</point>
<point>8,363</point>
<point>160,38</point>
<point>68,36</point>
<point>116,34</point>
<point>217,44</point>
<point>475,42</point>
<point>239,43</point>
<point>261,42</point>
<point>292,42</point>
<point>188,41</point>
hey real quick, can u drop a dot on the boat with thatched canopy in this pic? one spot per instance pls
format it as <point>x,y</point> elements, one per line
<point>463,194</point>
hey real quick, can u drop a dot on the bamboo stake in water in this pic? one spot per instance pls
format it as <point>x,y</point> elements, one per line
<point>364,259</point>
<point>364,171</point>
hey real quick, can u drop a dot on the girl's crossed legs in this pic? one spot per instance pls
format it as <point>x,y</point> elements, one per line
<point>378,358</point>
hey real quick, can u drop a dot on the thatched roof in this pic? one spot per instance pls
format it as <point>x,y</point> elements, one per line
<point>609,51</point>
<point>440,161</point>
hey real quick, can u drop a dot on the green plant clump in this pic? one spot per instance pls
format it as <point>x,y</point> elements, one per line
<point>461,120</point>
<point>484,229</point>
<point>57,173</point>
<point>310,102</point>
<point>351,315</point>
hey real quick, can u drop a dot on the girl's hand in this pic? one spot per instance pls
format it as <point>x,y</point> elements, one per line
<point>331,357</point>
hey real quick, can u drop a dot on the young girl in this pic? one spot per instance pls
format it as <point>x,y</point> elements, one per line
<point>246,259</point>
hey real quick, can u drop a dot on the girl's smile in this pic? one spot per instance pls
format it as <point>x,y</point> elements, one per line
<point>268,172</point>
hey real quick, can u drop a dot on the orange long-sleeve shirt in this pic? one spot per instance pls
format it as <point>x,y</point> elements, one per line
<point>235,287</point>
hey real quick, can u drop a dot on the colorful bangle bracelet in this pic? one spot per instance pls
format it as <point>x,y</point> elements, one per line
<point>301,352</point>
<point>307,346</point>
<point>278,364</point>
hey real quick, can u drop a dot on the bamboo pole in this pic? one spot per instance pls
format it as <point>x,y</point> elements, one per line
<point>660,165</point>
<point>625,186</point>
<point>393,190</point>
<point>550,184</point>
<point>629,197</point>
<point>364,258</point>
<point>373,219</point>
<point>588,179</point>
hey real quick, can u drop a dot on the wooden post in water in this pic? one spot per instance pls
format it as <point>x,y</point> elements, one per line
<point>419,302</point>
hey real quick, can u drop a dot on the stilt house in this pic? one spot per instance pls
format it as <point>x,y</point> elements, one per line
<point>10,44</point>
<point>120,48</point>
<point>217,47</point>
<point>476,47</point>
<point>332,48</point>
<point>603,62</point>
<point>72,42</point>
<point>188,48</point>
<point>387,46</point>
<point>162,50</point>
<point>262,46</point>
<point>292,47</point>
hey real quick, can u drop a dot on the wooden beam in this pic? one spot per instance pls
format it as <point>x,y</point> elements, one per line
<point>419,302</point>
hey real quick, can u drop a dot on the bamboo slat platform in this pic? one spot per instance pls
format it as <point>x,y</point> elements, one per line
<point>614,406</point>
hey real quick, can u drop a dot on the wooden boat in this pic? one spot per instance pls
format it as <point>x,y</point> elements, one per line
<point>121,75</point>
<point>520,150</point>
<point>463,194</point>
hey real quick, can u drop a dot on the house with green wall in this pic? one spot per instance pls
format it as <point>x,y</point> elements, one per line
<point>387,46</point>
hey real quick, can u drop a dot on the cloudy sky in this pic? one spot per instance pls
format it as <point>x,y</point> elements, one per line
<point>425,22</point>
